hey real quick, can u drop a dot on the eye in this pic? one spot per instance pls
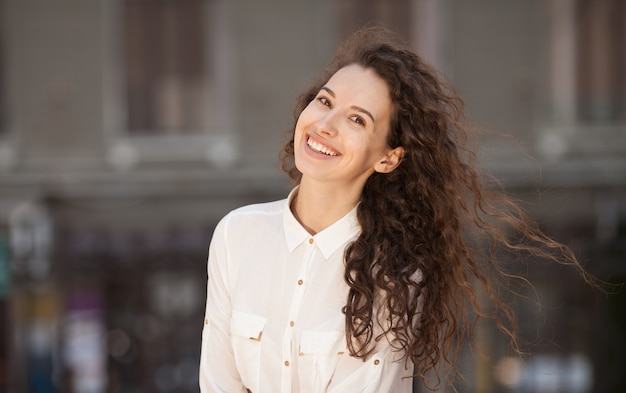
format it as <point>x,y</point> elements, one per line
<point>358,120</point>
<point>325,101</point>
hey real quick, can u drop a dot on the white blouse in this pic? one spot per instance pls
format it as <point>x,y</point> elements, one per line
<point>273,313</point>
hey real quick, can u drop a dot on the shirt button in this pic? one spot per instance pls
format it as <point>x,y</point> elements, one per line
<point>376,362</point>
<point>300,282</point>
<point>292,323</point>
<point>206,321</point>
<point>287,363</point>
<point>311,241</point>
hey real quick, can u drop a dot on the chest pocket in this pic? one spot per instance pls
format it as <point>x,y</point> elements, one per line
<point>246,332</point>
<point>318,355</point>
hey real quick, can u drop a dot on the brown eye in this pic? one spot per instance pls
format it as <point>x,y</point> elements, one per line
<point>324,101</point>
<point>358,120</point>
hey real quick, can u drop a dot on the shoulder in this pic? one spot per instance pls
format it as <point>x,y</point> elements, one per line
<point>267,208</point>
<point>252,215</point>
<point>249,223</point>
<point>258,210</point>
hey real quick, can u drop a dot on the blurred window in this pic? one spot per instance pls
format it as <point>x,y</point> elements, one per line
<point>174,78</point>
<point>166,67</point>
<point>169,82</point>
<point>601,59</point>
<point>586,54</point>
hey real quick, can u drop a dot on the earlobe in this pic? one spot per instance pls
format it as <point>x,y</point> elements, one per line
<point>390,161</point>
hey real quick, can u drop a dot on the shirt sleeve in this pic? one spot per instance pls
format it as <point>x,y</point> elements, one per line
<point>218,371</point>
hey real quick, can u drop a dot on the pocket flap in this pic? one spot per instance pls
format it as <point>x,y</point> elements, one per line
<point>247,325</point>
<point>321,342</point>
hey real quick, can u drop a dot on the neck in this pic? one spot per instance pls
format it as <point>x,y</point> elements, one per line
<point>317,206</point>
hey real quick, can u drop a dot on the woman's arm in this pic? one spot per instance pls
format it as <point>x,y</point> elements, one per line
<point>218,371</point>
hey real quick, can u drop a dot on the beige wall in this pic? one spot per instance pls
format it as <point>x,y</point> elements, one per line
<point>54,69</point>
<point>61,69</point>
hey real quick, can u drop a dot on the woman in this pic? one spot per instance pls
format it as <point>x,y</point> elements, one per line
<point>364,276</point>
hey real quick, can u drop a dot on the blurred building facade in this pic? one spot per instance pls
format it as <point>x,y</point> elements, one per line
<point>128,128</point>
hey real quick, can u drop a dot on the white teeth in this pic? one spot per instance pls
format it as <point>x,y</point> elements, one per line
<point>320,148</point>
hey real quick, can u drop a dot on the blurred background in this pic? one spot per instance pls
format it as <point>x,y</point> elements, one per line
<point>128,128</point>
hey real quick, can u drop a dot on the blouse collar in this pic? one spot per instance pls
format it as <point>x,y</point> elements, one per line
<point>329,239</point>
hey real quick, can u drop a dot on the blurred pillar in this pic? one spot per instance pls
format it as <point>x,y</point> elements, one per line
<point>596,60</point>
<point>428,33</point>
<point>561,56</point>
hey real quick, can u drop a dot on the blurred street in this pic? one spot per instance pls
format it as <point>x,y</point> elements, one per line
<point>128,128</point>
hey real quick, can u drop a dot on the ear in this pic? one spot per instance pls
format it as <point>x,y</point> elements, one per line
<point>392,159</point>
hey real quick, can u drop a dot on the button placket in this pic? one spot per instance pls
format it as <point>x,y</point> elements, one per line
<point>296,304</point>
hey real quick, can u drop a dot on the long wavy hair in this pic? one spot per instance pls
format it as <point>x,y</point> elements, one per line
<point>430,228</point>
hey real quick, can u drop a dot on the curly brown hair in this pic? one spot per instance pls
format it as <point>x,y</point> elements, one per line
<point>421,253</point>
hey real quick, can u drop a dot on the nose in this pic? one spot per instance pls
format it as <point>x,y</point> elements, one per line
<point>327,124</point>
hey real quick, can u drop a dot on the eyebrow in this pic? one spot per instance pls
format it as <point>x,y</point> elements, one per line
<point>357,108</point>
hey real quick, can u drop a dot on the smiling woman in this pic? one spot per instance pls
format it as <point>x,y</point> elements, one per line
<point>364,276</point>
<point>341,138</point>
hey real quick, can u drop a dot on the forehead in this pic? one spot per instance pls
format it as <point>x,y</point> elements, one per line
<point>363,86</point>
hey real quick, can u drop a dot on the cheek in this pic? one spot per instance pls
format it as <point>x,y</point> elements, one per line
<point>299,132</point>
<point>379,141</point>
<point>359,146</point>
<point>374,149</point>
<point>302,122</point>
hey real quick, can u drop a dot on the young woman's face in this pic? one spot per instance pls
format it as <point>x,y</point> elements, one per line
<point>341,136</point>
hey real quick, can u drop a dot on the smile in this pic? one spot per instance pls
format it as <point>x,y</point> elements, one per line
<point>318,147</point>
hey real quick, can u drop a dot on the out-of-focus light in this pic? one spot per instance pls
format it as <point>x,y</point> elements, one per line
<point>187,373</point>
<point>546,373</point>
<point>122,157</point>
<point>580,377</point>
<point>117,342</point>
<point>552,146</point>
<point>222,152</point>
<point>510,371</point>
<point>164,378</point>
<point>147,327</point>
